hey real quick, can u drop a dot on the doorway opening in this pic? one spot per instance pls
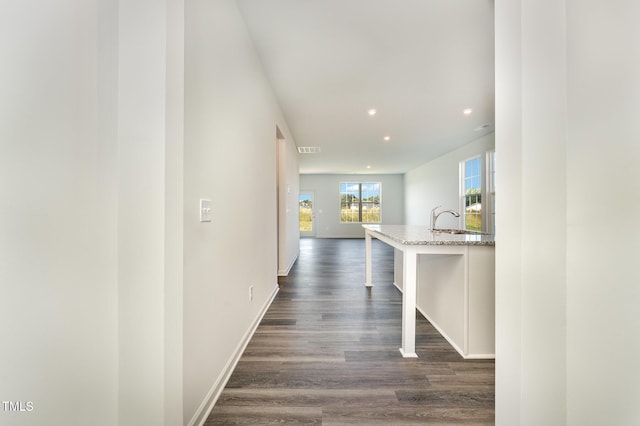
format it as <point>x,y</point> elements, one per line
<point>307,216</point>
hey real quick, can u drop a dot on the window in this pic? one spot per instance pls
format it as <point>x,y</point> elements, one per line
<point>360,202</point>
<point>478,193</point>
<point>471,193</point>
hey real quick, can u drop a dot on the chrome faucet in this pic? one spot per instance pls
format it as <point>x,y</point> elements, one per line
<point>434,215</point>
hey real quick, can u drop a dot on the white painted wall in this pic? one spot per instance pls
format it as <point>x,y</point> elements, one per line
<point>230,157</point>
<point>436,183</point>
<point>603,153</point>
<point>173,215</point>
<point>58,212</point>
<point>143,122</point>
<point>119,306</point>
<point>288,205</point>
<point>566,292</point>
<point>509,259</point>
<point>326,189</point>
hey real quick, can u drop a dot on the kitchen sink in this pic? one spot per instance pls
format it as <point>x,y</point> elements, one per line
<point>455,231</point>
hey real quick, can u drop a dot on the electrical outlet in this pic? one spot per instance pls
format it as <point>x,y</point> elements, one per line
<point>250,292</point>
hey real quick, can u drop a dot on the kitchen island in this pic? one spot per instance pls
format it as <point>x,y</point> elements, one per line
<point>449,277</point>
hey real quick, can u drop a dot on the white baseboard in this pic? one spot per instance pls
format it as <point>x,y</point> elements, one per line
<point>443,334</point>
<point>447,338</point>
<point>481,356</point>
<point>284,273</point>
<point>210,400</point>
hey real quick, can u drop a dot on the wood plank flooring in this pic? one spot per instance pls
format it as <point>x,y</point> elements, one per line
<point>326,353</point>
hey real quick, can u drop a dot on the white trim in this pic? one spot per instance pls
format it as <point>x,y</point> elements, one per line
<point>203,411</point>
<point>447,338</point>
<point>441,331</point>
<point>433,323</point>
<point>489,192</point>
<point>285,272</point>
<point>466,304</point>
<point>462,191</point>
<point>480,356</point>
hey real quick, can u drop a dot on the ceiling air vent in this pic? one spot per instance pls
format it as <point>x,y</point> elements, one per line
<point>308,149</point>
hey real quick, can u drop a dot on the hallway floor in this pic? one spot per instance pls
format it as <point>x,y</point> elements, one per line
<point>326,353</point>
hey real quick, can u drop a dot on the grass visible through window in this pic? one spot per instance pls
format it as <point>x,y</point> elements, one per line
<point>306,224</point>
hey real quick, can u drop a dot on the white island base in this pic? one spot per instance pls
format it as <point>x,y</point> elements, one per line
<point>462,310</point>
<point>451,281</point>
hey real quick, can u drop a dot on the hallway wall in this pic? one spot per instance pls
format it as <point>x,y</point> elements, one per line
<point>231,116</point>
<point>58,212</point>
<point>119,306</point>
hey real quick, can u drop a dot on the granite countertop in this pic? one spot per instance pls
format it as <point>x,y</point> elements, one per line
<point>422,235</point>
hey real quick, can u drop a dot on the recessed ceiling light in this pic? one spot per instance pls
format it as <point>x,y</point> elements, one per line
<point>372,111</point>
<point>387,138</point>
<point>368,167</point>
<point>467,111</point>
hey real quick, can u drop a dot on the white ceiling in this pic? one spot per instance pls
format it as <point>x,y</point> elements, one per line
<point>419,63</point>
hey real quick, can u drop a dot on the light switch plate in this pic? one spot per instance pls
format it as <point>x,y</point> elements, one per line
<point>205,210</point>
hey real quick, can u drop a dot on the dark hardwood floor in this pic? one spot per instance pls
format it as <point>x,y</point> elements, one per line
<point>326,353</point>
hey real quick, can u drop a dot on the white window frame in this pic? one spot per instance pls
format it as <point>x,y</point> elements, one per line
<point>483,195</point>
<point>490,176</point>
